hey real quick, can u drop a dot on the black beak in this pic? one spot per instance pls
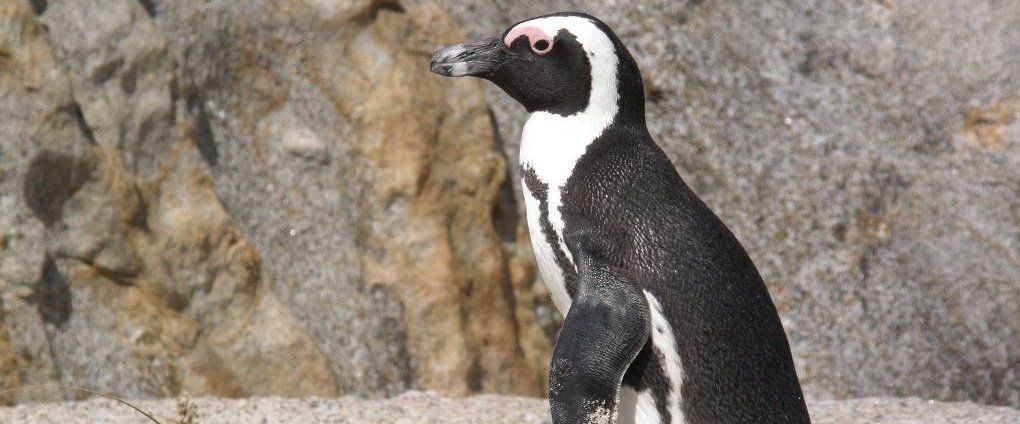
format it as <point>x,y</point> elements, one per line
<point>478,58</point>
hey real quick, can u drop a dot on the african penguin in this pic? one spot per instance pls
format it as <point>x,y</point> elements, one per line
<point>666,317</point>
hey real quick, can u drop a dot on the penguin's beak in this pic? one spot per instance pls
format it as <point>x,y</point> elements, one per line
<point>478,58</point>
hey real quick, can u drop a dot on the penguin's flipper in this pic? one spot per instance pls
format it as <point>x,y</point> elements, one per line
<point>607,325</point>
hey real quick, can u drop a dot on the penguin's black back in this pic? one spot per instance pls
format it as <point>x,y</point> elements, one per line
<point>734,353</point>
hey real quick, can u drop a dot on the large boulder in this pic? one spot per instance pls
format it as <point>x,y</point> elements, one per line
<point>865,153</point>
<point>252,199</point>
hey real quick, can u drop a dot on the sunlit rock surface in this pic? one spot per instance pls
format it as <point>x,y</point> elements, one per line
<point>251,199</point>
<point>276,198</point>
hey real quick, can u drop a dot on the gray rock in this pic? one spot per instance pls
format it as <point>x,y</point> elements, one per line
<point>254,198</point>
<point>368,184</point>
<point>133,280</point>
<point>864,152</point>
<point>234,199</point>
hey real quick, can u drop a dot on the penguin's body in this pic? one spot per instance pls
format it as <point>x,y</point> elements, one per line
<point>666,317</point>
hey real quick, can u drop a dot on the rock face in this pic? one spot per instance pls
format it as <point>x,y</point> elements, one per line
<point>123,270</point>
<point>251,199</point>
<point>372,186</point>
<point>866,155</point>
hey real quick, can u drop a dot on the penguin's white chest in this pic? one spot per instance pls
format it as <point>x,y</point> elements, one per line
<point>551,271</point>
<point>551,145</point>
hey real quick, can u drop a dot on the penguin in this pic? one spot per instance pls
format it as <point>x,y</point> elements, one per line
<point>666,318</point>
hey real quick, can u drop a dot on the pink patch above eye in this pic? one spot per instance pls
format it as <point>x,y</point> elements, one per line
<point>535,35</point>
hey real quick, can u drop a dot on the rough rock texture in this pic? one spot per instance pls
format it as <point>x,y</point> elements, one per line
<point>418,407</point>
<point>250,199</point>
<point>370,184</point>
<point>121,269</point>
<point>275,197</point>
<point>866,154</point>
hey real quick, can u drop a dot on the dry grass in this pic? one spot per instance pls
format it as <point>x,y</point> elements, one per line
<point>190,416</point>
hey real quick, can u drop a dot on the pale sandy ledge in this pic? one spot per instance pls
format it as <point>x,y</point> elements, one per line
<point>425,407</point>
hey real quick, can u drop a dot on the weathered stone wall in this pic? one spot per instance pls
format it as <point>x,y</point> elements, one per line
<point>252,199</point>
<point>244,198</point>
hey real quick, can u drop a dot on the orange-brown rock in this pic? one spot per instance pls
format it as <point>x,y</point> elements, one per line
<point>210,199</point>
<point>142,286</point>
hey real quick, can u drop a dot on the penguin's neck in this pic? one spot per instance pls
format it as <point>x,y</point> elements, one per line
<point>551,144</point>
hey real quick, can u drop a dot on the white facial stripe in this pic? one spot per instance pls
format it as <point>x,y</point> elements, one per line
<point>665,345</point>
<point>551,144</point>
<point>604,97</point>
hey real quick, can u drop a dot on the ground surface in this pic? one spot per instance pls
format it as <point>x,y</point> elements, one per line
<point>419,407</point>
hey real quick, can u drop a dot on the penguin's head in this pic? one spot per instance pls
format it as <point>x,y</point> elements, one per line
<point>564,63</point>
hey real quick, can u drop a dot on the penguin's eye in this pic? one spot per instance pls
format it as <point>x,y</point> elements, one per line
<point>541,43</point>
<point>541,46</point>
